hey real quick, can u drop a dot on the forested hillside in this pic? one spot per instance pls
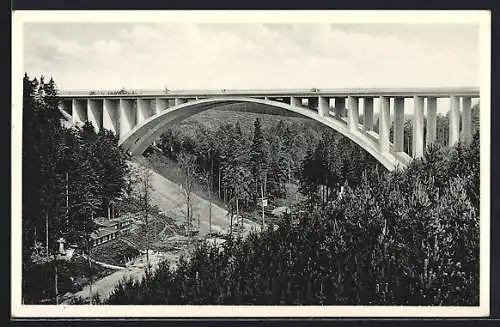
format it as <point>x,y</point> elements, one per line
<point>362,235</point>
<point>409,237</point>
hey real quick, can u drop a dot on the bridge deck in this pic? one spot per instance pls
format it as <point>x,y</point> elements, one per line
<point>338,92</point>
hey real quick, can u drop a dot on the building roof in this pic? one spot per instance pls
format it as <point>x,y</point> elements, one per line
<point>102,221</point>
<point>103,232</point>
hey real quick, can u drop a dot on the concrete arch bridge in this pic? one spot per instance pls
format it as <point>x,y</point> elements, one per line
<point>139,118</point>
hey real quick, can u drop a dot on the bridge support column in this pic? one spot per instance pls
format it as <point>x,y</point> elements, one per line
<point>431,120</point>
<point>323,106</point>
<point>160,105</point>
<point>79,111</point>
<point>94,113</point>
<point>110,115</point>
<point>352,113</point>
<point>466,120</point>
<point>385,123</point>
<point>296,102</point>
<point>127,116</point>
<point>368,114</point>
<point>399,123</point>
<point>145,109</point>
<point>454,131</point>
<point>339,107</point>
<point>474,127</point>
<point>179,101</point>
<point>418,127</point>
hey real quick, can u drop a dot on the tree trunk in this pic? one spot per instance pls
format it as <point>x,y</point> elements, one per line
<point>90,275</point>
<point>262,204</point>
<point>47,233</point>
<point>56,281</point>
<point>210,207</point>
<point>219,183</point>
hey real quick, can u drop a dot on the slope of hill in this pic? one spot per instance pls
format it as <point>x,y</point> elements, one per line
<point>168,196</point>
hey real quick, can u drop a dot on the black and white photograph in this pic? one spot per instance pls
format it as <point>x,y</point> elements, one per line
<point>250,164</point>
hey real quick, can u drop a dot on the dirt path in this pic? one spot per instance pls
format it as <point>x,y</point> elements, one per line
<point>105,286</point>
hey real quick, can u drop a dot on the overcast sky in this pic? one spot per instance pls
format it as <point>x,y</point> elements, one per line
<point>193,56</point>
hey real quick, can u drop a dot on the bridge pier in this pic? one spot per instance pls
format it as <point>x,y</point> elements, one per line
<point>296,102</point>
<point>431,120</point>
<point>352,113</point>
<point>339,107</point>
<point>94,113</point>
<point>418,127</point>
<point>399,123</point>
<point>323,106</point>
<point>79,111</point>
<point>466,120</point>
<point>454,131</point>
<point>368,114</point>
<point>145,109</point>
<point>127,116</point>
<point>384,123</point>
<point>179,101</point>
<point>160,105</point>
<point>111,114</point>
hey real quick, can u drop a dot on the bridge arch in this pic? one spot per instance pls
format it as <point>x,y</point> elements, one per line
<point>141,136</point>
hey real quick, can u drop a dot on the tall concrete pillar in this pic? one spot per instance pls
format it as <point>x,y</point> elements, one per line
<point>352,113</point>
<point>339,107</point>
<point>111,115</point>
<point>399,124</point>
<point>418,127</point>
<point>94,112</point>
<point>474,127</point>
<point>368,114</point>
<point>145,109</point>
<point>160,105</point>
<point>179,101</point>
<point>384,123</point>
<point>79,111</point>
<point>454,131</point>
<point>127,116</point>
<point>296,102</point>
<point>431,120</point>
<point>466,120</point>
<point>323,106</point>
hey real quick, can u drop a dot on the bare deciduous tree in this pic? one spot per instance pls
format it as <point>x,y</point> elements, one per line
<point>187,171</point>
<point>142,192</point>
